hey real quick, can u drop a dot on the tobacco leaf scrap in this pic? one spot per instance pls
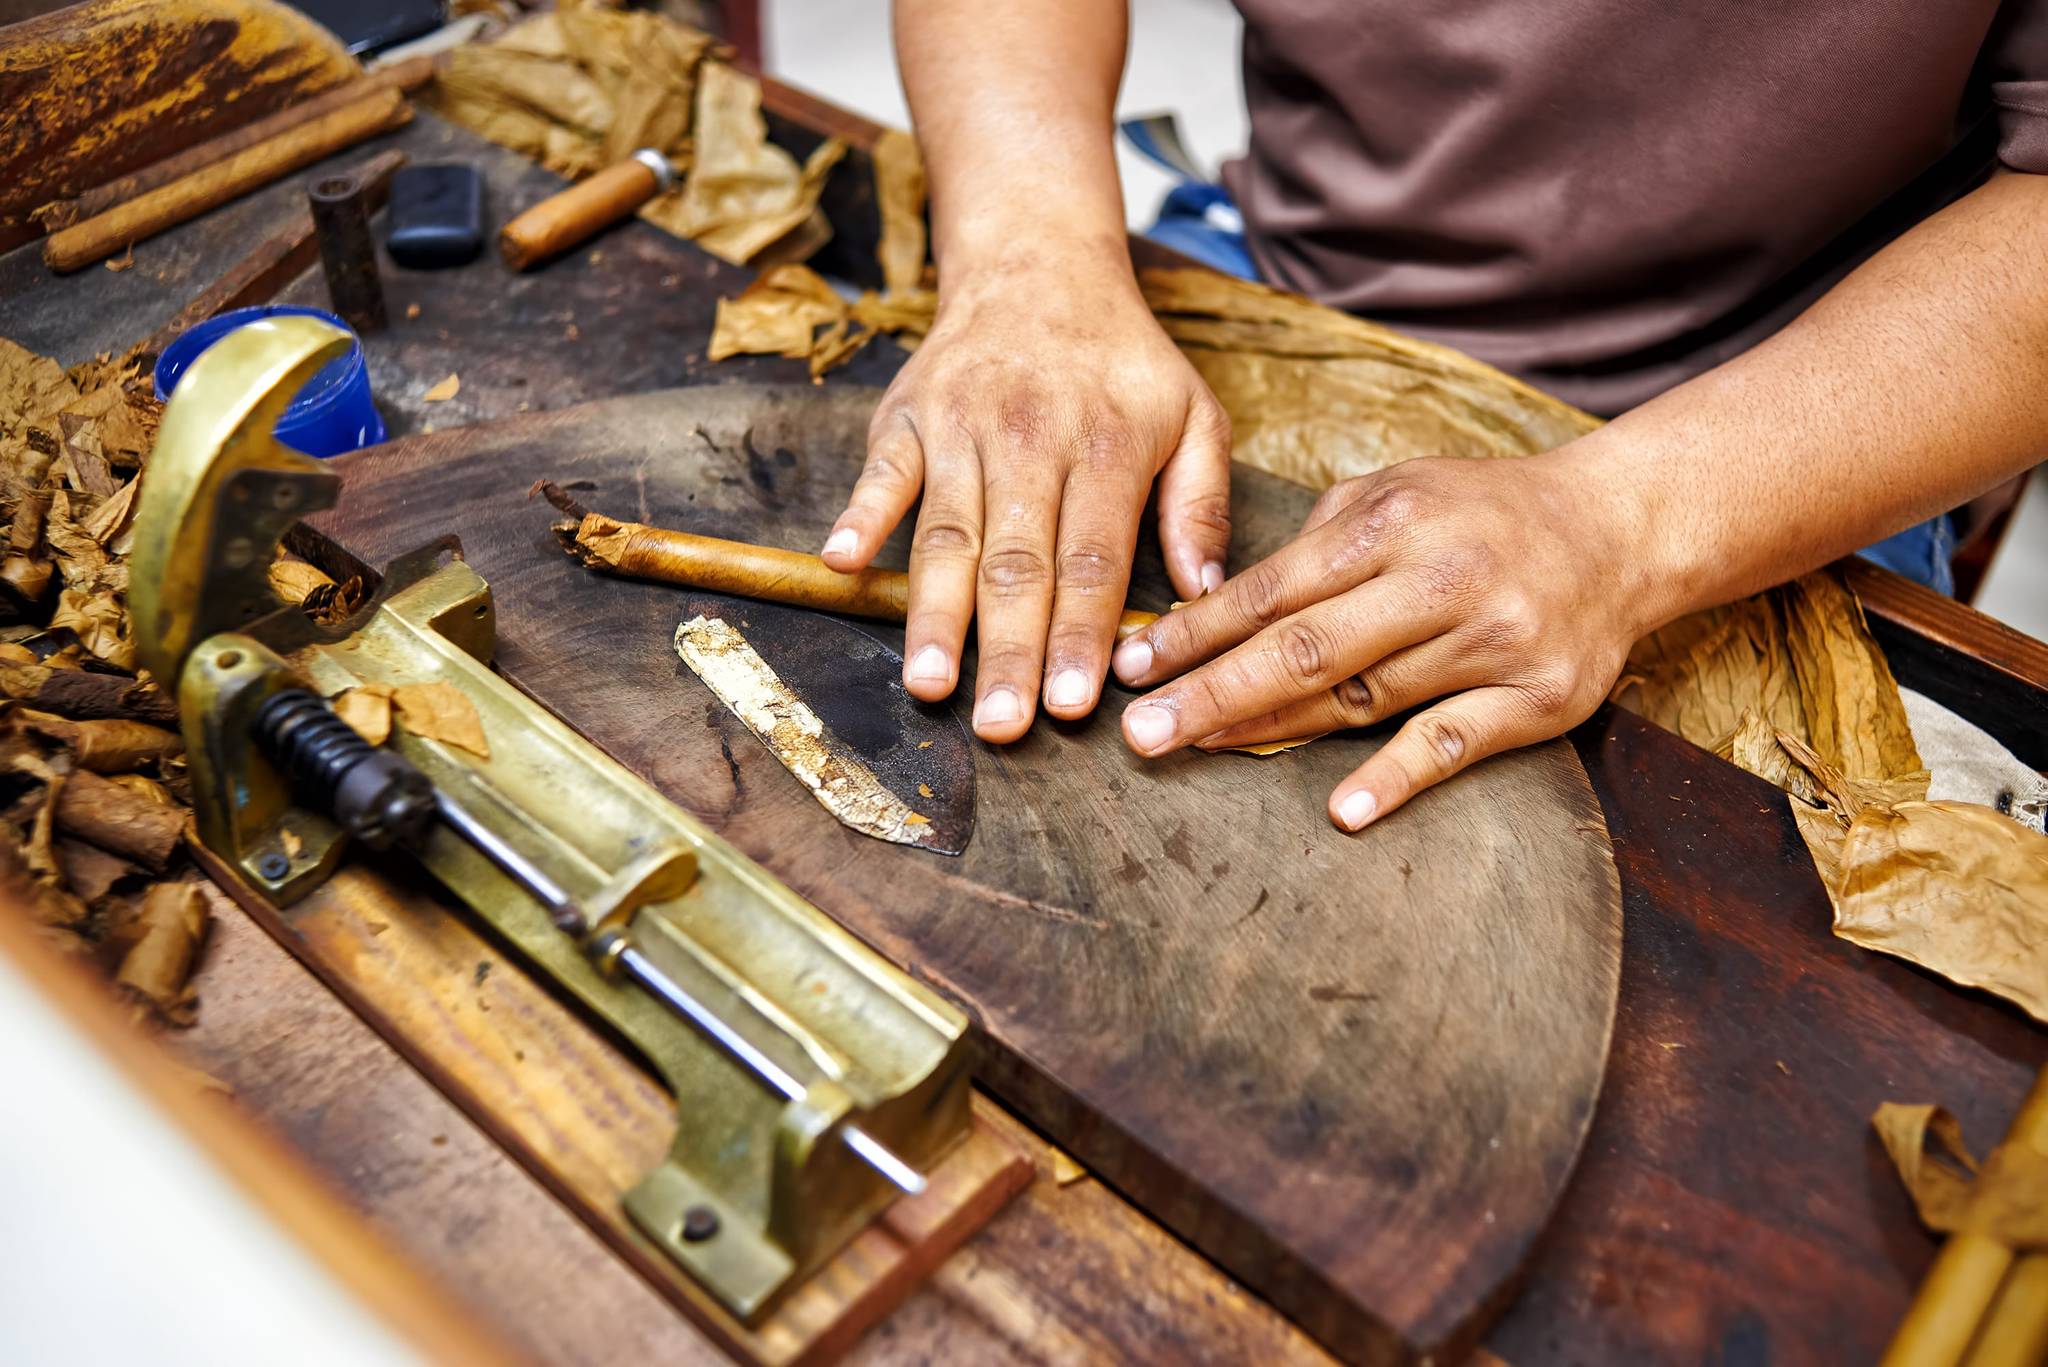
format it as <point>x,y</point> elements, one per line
<point>157,969</point>
<point>899,197</point>
<point>367,708</point>
<point>441,711</point>
<point>2006,1198</point>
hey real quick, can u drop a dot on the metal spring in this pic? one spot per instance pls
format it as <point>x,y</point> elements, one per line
<point>302,735</point>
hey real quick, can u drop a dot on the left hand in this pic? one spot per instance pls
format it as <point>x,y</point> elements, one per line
<point>1506,588</point>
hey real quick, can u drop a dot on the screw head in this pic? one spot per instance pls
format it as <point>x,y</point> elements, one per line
<point>699,1224</point>
<point>274,866</point>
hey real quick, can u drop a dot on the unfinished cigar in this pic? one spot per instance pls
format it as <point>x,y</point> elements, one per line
<point>705,562</point>
<point>578,213</point>
<point>407,76</point>
<point>251,168</point>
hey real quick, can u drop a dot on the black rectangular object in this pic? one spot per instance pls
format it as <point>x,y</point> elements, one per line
<point>437,215</point>
<point>366,26</point>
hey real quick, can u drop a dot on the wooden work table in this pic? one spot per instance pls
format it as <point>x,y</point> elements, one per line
<point>1730,1205</point>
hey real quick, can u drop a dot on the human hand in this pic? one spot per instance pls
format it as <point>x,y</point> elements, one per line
<point>1034,417</point>
<point>1499,587</point>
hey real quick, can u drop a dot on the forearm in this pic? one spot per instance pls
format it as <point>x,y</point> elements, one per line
<point>1912,386</point>
<point>1015,109</point>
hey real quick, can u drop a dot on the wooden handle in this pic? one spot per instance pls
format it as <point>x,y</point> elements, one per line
<point>779,576</point>
<point>561,221</point>
<point>252,167</point>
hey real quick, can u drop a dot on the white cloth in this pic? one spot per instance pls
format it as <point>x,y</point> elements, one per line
<point>1966,764</point>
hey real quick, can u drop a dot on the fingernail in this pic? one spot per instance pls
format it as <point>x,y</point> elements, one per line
<point>842,542</point>
<point>1132,659</point>
<point>1151,727</point>
<point>1356,809</point>
<point>930,666</point>
<point>998,707</point>
<point>1069,688</point>
<point>1212,576</point>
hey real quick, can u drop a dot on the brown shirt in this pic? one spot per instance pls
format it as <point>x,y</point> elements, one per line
<point>1607,197</point>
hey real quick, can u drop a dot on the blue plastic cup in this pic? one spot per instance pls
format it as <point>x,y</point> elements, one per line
<point>332,415</point>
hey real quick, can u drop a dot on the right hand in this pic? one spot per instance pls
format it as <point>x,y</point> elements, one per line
<point>1034,418</point>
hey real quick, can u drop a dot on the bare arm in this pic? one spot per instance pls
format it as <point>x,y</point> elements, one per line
<point>1512,590</point>
<point>1045,401</point>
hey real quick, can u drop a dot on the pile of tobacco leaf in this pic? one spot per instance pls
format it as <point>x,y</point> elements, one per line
<point>93,794</point>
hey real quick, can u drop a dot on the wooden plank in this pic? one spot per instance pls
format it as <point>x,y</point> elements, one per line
<point>1067,1272</point>
<point>585,1121</point>
<point>1183,974</point>
<point>1974,665</point>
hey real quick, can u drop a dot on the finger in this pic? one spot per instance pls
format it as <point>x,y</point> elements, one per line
<point>1194,502</point>
<point>1290,661</point>
<point>1313,567</point>
<point>1407,678</point>
<point>1433,745</point>
<point>1335,500</point>
<point>887,486</point>
<point>1098,536</point>
<point>1013,594</point>
<point>944,551</point>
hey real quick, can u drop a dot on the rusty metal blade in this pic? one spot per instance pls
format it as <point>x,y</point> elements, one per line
<point>827,699</point>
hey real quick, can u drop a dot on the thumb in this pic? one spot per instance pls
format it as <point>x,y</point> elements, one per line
<point>1194,501</point>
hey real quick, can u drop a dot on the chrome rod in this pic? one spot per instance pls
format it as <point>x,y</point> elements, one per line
<point>565,913</point>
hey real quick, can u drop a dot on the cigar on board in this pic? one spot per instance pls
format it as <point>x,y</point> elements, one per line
<point>585,209</point>
<point>638,551</point>
<point>409,75</point>
<point>211,186</point>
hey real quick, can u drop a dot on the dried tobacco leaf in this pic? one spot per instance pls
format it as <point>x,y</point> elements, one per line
<point>742,193</point>
<point>119,820</point>
<point>776,314</point>
<point>444,391</point>
<point>103,746</point>
<point>899,197</point>
<point>158,968</point>
<point>2006,1199</point>
<point>1956,888</point>
<point>1854,716</point>
<point>441,711</point>
<point>100,622</point>
<point>367,709</point>
<point>291,579</point>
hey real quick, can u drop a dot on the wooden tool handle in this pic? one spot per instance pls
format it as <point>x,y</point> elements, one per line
<point>187,198</point>
<point>561,221</point>
<point>779,576</point>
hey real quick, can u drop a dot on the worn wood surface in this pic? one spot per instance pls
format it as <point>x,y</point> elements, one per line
<point>586,1120</point>
<point>117,84</point>
<point>1067,1273</point>
<point>1182,972</point>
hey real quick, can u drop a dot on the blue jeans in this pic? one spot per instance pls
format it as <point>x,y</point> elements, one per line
<point>1199,220</point>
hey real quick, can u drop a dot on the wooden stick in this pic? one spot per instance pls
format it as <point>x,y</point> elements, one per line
<point>1959,1289</point>
<point>253,167</point>
<point>706,562</point>
<point>407,76</point>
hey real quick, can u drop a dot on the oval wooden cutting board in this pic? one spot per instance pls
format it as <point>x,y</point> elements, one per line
<point>1355,1071</point>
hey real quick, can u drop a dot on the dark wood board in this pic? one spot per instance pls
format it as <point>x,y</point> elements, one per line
<point>1733,1205</point>
<point>1354,1072</point>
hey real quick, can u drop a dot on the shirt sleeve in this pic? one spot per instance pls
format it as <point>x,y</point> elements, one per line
<point>2016,59</point>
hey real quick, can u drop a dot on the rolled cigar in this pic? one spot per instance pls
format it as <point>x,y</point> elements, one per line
<point>1956,1297</point>
<point>408,76</point>
<point>103,813</point>
<point>586,208</point>
<point>779,576</point>
<point>169,205</point>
